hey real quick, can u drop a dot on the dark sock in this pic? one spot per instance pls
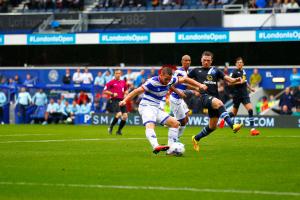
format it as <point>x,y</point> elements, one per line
<point>224,114</point>
<point>251,120</point>
<point>122,124</point>
<point>205,132</point>
<point>231,115</point>
<point>114,122</point>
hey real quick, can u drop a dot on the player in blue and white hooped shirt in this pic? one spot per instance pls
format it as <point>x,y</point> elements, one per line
<point>178,105</point>
<point>154,90</point>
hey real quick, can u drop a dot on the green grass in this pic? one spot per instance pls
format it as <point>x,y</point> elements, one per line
<point>240,162</point>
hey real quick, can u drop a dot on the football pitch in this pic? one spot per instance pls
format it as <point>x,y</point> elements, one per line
<point>84,162</point>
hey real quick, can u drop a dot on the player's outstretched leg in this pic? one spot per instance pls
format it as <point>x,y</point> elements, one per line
<point>204,132</point>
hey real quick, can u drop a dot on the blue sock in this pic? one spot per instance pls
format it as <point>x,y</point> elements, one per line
<point>224,114</point>
<point>205,132</point>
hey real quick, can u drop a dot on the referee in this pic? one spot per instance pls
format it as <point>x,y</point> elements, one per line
<point>117,89</point>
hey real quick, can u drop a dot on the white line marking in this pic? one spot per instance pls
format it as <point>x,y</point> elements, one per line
<point>70,140</point>
<point>13,135</point>
<point>125,187</point>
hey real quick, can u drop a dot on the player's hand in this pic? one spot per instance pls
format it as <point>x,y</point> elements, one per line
<point>122,103</point>
<point>197,94</point>
<point>239,80</point>
<point>252,90</point>
<point>203,87</point>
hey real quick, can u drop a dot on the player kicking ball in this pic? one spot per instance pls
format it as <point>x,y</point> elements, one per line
<point>154,90</point>
<point>210,76</point>
<point>241,95</point>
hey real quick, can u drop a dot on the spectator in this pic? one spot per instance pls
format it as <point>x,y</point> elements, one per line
<point>130,76</point>
<point>108,75</point>
<point>11,83</point>
<point>67,77</point>
<point>140,79</point>
<point>87,77</point>
<point>40,98</point>
<point>77,76</point>
<point>66,111</point>
<point>23,101</point>
<point>252,6</point>
<point>285,6</point>
<point>85,107</point>
<point>75,109</point>
<point>295,78</point>
<point>153,72</point>
<point>3,6</point>
<point>52,113</point>
<point>82,97</point>
<point>99,80</point>
<point>292,6</point>
<point>17,79</point>
<point>277,6</point>
<point>3,100</point>
<point>286,102</point>
<point>255,79</point>
<point>271,101</point>
<point>29,81</point>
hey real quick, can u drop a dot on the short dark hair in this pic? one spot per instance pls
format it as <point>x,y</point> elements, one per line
<point>208,53</point>
<point>167,70</point>
<point>239,58</point>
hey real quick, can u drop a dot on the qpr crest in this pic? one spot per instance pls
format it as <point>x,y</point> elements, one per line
<point>53,75</point>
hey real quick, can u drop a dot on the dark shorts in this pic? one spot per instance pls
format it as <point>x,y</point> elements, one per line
<point>114,106</point>
<point>206,101</point>
<point>238,100</point>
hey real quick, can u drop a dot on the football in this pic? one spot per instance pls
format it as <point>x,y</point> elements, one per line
<point>177,149</point>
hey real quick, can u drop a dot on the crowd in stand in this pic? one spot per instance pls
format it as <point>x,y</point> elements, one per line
<point>55,4</point>
<point>162,3</point>
<point>280,6</point>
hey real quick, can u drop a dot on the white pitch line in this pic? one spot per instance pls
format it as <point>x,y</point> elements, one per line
<point>127,187</point>
<point>112,139</point>
<point>70,140</point>
<point>18,135</point>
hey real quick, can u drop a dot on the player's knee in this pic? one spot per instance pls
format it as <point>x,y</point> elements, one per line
<point>118,115</point>
<point>175,124</point>
<point>217,103</point>
<point>124,116</point>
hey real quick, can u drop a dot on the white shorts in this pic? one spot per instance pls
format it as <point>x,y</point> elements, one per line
<point>153,114</point>
<point>179,109</point>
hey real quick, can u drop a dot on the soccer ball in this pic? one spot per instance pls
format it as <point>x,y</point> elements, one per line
<point>176,149</point>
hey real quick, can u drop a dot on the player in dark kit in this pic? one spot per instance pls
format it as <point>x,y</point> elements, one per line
<point>117,89</point>
<point>241,95</point>
<point>210,76</point>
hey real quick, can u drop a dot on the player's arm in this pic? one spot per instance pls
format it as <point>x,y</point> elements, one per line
<point>250,88</point>
<point>181,94</point>
<point>233,81</point>
<point>192,82</point>
<point>131,95</point>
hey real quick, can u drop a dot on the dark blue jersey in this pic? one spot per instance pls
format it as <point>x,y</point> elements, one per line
<point>209,77</point>
<point>239,90</point>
